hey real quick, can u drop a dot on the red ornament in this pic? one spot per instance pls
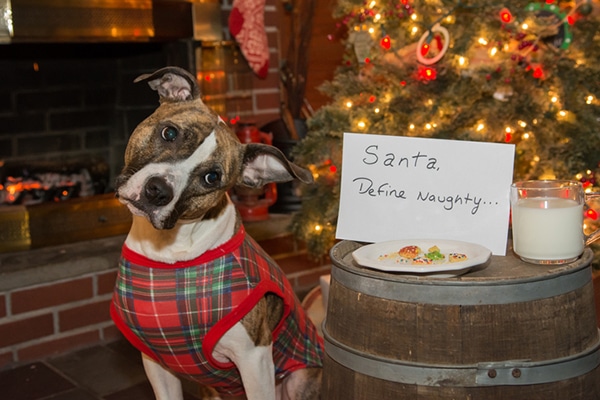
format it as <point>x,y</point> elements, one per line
<point>386,42</point>
<point>505,15</point>
<point>439,43</point>
<point>508,137</point>
<point>538,73</point>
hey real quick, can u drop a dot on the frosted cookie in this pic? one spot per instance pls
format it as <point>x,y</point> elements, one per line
<point>409,251</point>
<point>422,261</point>
<point>456,257</point>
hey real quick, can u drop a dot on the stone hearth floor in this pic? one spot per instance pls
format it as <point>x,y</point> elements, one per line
<point>112,371</point>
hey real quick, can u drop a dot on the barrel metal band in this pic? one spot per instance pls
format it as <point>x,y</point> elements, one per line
<point>459,293</point>
<point>515,372</point>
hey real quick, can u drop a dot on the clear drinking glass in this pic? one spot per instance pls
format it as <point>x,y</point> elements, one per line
<point>547,221</point>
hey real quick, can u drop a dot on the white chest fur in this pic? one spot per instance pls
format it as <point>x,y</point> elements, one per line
<point>186,241</point>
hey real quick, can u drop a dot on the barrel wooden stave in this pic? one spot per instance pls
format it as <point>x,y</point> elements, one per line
<point>436,334</point>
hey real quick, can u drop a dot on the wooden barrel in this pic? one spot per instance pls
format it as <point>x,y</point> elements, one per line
<point>504,331</point>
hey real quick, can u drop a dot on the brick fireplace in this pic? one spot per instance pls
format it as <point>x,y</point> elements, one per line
<point>65,103</point>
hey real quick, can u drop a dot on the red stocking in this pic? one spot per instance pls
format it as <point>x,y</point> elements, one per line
<point>247,25</point>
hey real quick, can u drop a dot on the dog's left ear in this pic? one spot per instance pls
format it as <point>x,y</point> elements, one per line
<point>172,84</point>
<point>265,164</point>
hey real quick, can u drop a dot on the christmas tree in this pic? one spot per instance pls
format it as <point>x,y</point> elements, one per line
<point>519,72</point>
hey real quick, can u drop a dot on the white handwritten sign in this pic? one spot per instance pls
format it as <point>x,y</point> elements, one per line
<point>396,187</point>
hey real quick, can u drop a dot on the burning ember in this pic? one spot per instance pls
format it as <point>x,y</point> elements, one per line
<point>42,187</point>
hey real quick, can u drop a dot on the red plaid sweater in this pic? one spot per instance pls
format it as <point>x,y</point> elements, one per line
<point>176,313</point>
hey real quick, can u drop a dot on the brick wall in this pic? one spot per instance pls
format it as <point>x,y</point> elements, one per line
<point>78,101</point>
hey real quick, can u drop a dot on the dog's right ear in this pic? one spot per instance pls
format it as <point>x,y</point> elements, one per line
<point>172,84</point>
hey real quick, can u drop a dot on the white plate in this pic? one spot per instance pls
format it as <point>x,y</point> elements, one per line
<point>368,256</point>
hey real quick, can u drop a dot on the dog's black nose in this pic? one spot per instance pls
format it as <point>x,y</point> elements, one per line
<point>158,192</point>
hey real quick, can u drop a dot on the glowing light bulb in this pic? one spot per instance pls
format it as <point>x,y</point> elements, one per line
<point>411,127</point>
<point>372,4</point>
<point>414,30</point>
<point>554,99</point>
<point>522,124</point>
<point>462,61</point>
<point>349,104</point>
<point>480,127</point>
<point>377,110</point>
<point>589,99</point>
<point>525,136</point>
<point>508,129</point>
<point>361,124</point>
<point>524,26</point>
<point>493,51</point>
<point>483,41</point>
<point>377,17</point>
<point>371,30</point>
<point>428,126</point>
<point>318,228</point>
<point>414,17</point>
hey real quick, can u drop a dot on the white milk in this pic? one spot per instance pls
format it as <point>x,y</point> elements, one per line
<point>547,228</point>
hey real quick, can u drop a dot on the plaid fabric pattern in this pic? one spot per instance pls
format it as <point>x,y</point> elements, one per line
<point>176,313</point>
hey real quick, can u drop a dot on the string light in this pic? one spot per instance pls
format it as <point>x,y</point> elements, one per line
<point>386,42</point>
<point>505,15</point>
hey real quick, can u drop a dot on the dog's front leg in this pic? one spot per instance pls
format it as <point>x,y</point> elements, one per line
<point>166,386</point>
<point>255,362</point>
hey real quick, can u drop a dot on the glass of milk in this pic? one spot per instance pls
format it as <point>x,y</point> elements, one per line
<point>547,221</point>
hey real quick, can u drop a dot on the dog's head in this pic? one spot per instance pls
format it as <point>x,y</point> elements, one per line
<point>181,161</point>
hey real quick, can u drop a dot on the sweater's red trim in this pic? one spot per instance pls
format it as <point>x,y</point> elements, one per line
<point>224,324</point>
<point>208,256</point>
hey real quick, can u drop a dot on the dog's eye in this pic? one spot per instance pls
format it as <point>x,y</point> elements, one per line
<point>168,133</point>
<point>212,178</point>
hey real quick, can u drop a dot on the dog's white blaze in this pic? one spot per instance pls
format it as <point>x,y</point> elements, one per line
<point>176,174</point>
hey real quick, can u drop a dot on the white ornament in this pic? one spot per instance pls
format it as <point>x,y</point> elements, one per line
<point>437,28</point>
